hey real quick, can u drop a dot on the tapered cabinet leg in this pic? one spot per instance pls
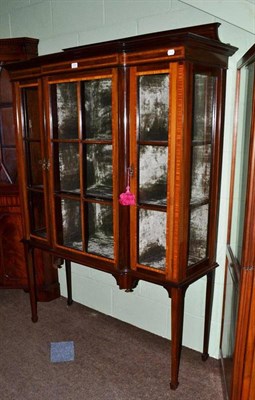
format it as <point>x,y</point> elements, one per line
<point>177,310</point>
<point>208,312</point>
<point>69,282</point>
<point>29,253</point>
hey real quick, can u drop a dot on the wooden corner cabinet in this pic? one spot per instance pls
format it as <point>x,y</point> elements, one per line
<point>13,270</point>
<point>143,117</point>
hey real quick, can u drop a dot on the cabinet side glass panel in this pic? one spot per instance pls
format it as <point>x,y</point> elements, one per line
<point>34,160</point>
<point>201,165</point>
<point>152,163</point>
<point>242,158</point>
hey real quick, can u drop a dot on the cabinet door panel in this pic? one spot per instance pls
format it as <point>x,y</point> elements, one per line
<point>83,138</point>
<point>98,178</point>
<point>149,155</point>
<point>64,110</point>
<point>98,109</point>
<point>153,174</point>
<point>67,178</point>
<point>100,230</point>
<point>152,238</point>
<point>30,102</point>
<point>35,162</point>
<point>37,213</point>
<point>69,213</point>
<point>153,106</point>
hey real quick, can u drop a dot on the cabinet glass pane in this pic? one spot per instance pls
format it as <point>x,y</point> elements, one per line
<point>64,110</point>
<point>203,112</point>
<point>153,174</point>
<point>35,171</point>
<point>201,173</point>
<point>7,131</point>
<point>153,103</point>
<point>100,230</point>
<point>31,113</point>
<point>98,170</point>
<point>98,109</point>
<point>71,235</point>
<point>37,214</point>
<point>242,155</point>
<point>229,323</point>
<point>68,156</point>
<point>152,238</point>
<point>198,234</point>
<point>8,169</point>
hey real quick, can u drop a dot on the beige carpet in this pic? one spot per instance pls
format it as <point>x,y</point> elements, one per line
<point>112,360</point>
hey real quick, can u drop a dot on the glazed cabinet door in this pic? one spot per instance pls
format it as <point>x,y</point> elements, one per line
<point>82,141</point>
<point>173,138</point>
<point>33,161</point>
<point>149,166</point>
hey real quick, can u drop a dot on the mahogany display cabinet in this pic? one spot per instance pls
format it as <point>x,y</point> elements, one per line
<point>238,333</point>
<point>141,117</point>
<point>13,269</point>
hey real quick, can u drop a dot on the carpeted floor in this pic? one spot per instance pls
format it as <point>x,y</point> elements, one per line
<point>112,360</point>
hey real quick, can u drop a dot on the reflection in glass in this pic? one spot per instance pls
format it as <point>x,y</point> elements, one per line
<point>204,94</point>
<point>198,234</point>
<point>99,170</point>
<point>64,110</point>
<point>35,171</point>
<point>71,223</point>
<point>31,113</point>
<point>8,172</point>
<point>201,172</point>
<point>153,174</point>
<point>68,155</point>
<point>152,238</point>
<point>7,131</point>
<point>98,109</point>
<point>100,230</point>
<point>229,323</point>
<point>153,107</point>
<point>242,155</point>
<point>37,213</point>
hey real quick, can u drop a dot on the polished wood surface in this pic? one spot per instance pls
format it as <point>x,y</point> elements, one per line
<point>178,56</point>
<point>239,370</point>
<point>13,268</point>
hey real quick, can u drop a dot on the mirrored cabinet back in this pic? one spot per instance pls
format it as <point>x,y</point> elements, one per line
<point>143,117</point>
